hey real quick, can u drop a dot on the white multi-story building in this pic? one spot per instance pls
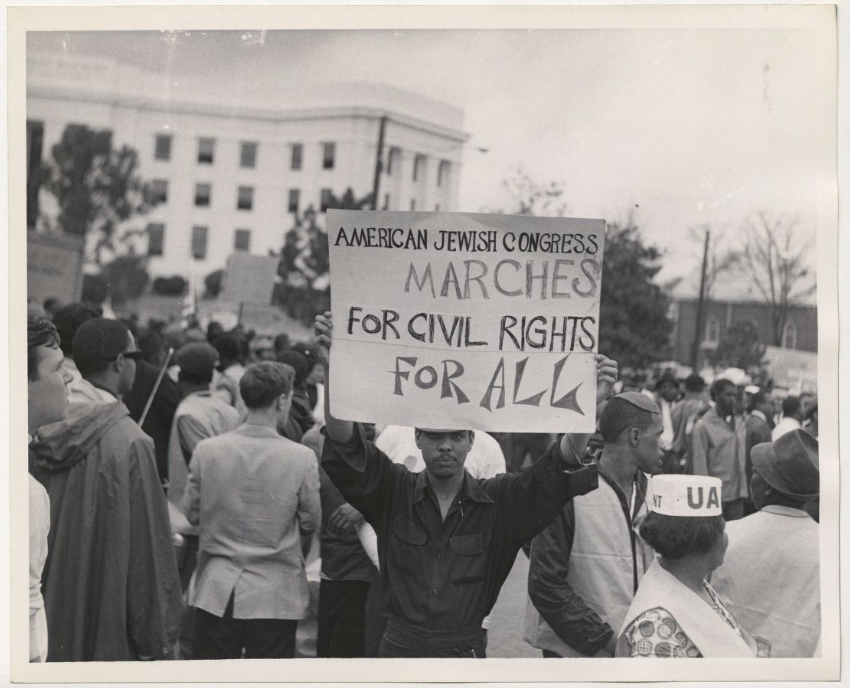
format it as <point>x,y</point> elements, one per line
<point>228,174</point>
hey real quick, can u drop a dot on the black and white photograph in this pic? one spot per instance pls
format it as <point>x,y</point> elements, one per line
<point>575,268</point>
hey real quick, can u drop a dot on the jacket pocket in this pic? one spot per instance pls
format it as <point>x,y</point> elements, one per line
<point>407,550</point>
<point>471,557</point>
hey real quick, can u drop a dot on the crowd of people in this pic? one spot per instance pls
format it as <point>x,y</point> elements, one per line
<point>186,484</point>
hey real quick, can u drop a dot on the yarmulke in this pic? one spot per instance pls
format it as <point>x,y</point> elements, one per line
<point>642,401</point>
<point>685,495</point>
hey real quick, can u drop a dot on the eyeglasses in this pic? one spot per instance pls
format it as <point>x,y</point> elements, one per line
<point>132,355</point>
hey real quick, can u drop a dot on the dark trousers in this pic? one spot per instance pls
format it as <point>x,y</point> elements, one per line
<point>405,640</point>
<point>226,637</point>
<point>733,510</point>
<point>376,615</point>
<point>342,618</point>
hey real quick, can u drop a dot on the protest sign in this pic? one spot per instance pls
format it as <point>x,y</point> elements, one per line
<point>54,267</point>
<point>250,279</point>
<point>454,320</point>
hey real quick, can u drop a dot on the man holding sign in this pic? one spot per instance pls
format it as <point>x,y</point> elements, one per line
<point>447,542</point>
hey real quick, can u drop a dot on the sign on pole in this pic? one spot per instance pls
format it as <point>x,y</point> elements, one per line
<point>54,266</point>
<point>250,279</point>
<point>453,321</point>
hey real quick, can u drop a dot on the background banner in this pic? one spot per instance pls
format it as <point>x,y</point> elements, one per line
<point>456,320</point>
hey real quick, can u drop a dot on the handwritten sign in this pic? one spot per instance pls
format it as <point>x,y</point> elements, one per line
<point>54,266</point>
<point>249,278</point>
<point>449,320</point>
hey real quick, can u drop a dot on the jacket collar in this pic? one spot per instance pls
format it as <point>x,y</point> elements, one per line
<point>253,430</point>
<point>469,490</point>
<point>785,511</point>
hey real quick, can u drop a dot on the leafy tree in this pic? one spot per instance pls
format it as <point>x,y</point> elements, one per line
<point>126,277</point>
<point>774,261</point>
<point>96,187</point>
<point>741,347</point>
<point>304,268</point>
<point>213,283</point>
<point>634,328</point>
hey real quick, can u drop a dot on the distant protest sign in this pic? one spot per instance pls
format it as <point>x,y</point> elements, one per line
<point>54,267</point>
<point>250,279</point>
<point>450,320</point>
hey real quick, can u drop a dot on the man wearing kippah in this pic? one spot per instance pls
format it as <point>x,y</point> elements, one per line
<point>585,566</point>
<point>771,576</point>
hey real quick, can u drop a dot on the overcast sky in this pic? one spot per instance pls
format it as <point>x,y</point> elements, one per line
<point>684,127</point>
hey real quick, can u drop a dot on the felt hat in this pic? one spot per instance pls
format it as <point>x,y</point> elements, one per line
<point>196,358</point>
<point>790,464</point>
<point>685,495</point>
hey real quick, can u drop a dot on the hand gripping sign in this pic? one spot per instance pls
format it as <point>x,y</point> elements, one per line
<point>455,320</point>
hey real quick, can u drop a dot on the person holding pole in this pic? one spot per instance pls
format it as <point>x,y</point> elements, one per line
<point>447,542</point>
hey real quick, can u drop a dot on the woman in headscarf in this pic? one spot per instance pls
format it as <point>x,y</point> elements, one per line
<point>675,612</point>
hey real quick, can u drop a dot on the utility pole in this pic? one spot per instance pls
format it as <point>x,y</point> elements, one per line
<point>700,304</point>
<point>376,185</point>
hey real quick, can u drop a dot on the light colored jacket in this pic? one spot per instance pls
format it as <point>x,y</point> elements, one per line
<point>771,579</point>
<point>252,493</point>
<point>719,450</point>
<point>601,567</point>
<point>659,589</point>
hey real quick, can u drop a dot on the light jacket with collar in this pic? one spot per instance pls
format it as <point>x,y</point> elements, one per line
<point>584,571</point>
<point>659,589</point>
<point>252,493</point>
<point>771,579</point>
<point>719,450</point>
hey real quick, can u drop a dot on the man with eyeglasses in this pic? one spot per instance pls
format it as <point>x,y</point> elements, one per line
<point>110,583</point>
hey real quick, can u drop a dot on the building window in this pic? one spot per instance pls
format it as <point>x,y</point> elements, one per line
<point>413,204</point>
<point>418,166</point>
<point>156,239</point>
<point>206,151</point>
<point>328,154</point>
<point>386,202</point>
<point>242,240</point>
<point>162,147</point>
<point>245,198</point>
<point>199,243</point>
<point>712,330</point>
<point>292,202</point>
<point>159,191</point>
<point>789,335</point>
<point>203,195</point>
<point>248,155</point>
<point>442,172</point>
<point>296,156</point>
<point>326,199</point>
<point>392,160</point>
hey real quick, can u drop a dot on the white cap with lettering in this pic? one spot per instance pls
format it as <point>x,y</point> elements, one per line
<point>685,495</point>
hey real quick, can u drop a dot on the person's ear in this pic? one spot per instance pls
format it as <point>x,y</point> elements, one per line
<point>634,437</point>
<point>471,438</point>
<point>119,363</point>
<point>417,436</point>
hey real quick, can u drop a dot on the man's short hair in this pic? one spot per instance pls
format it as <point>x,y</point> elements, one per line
<point>40,332</point>
<point>791,406</point>
<point>152,345</point>
<point>620,415</point>
<point>264,382</point>
<point>298,363</point>
<point>718,386</point>
<point>70,318</point>
<point>228,347</point>
<point>757,400</point>
<point>674,537</point>
<point>694,383</point>
<point>97,343</point>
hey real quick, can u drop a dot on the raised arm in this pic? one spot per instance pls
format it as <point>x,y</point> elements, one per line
<point>337,430</point>
<point>572,445</point>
